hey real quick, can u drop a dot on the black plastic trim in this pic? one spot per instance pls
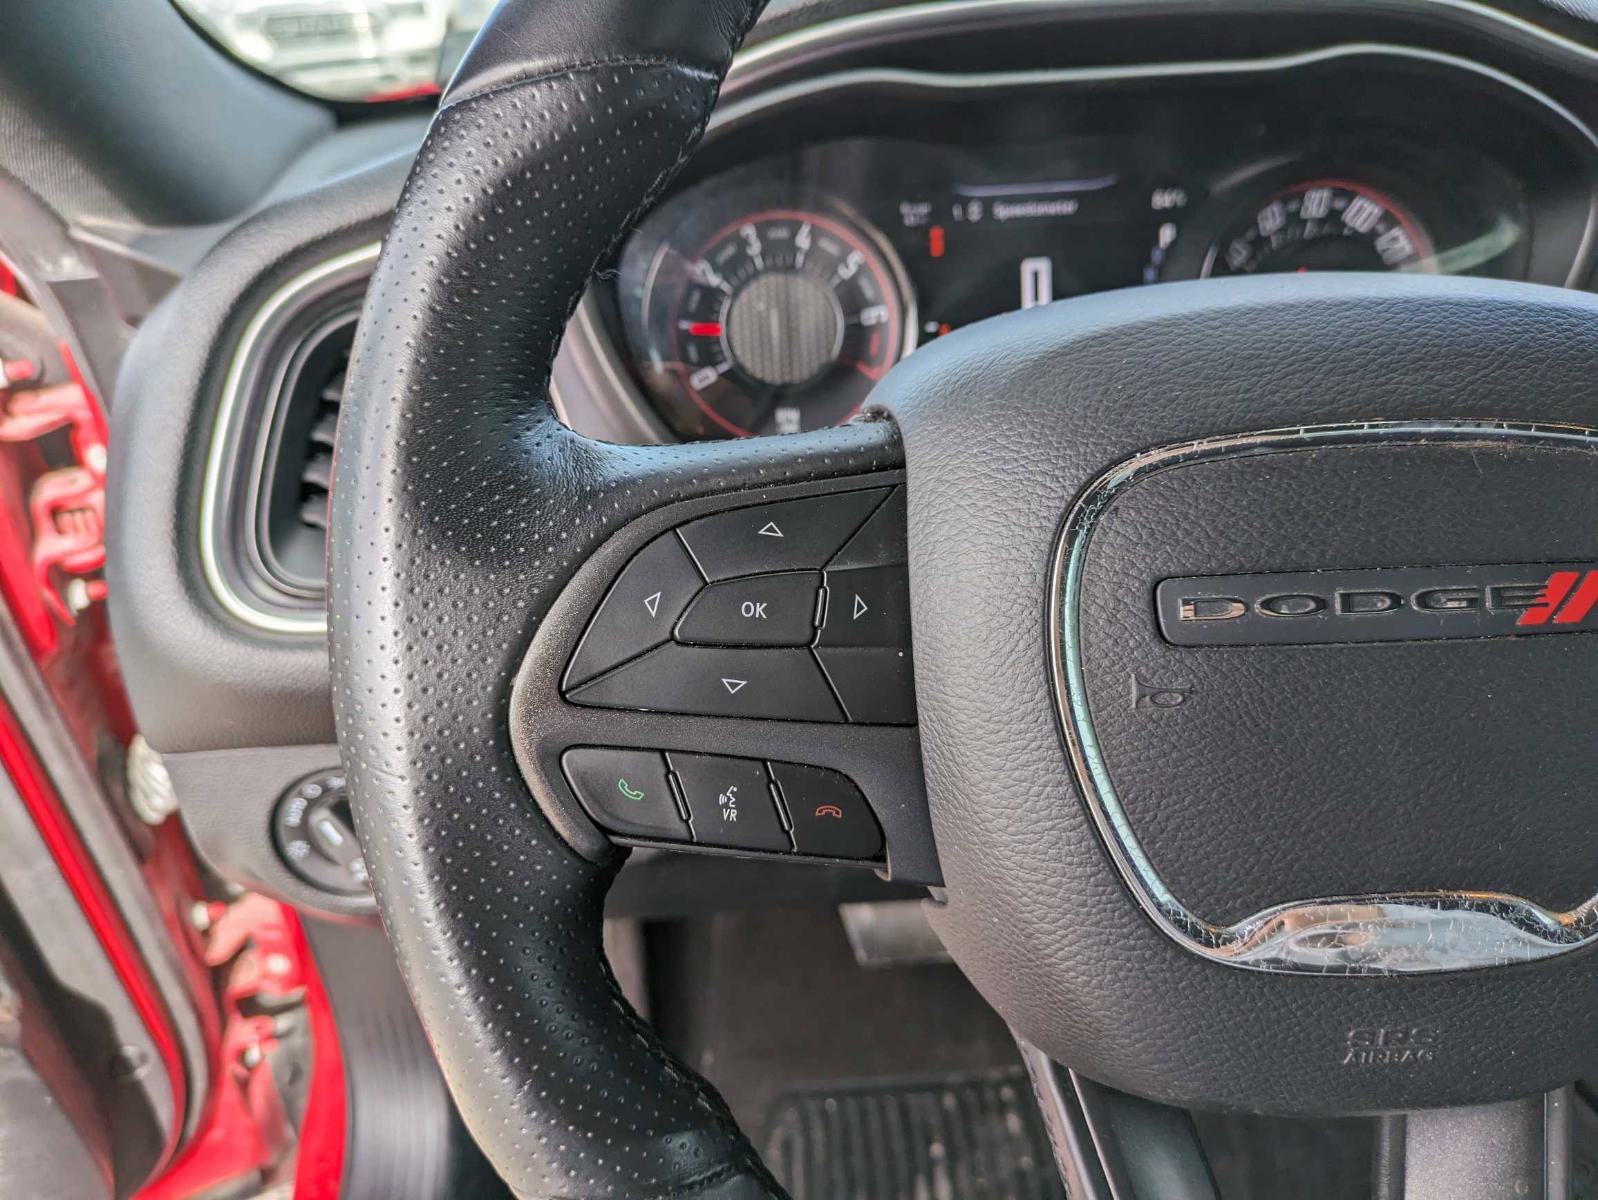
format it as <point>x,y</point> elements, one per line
<point>403,1137</point>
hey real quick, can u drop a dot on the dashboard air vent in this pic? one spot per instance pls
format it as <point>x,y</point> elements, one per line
<point>291,526</point>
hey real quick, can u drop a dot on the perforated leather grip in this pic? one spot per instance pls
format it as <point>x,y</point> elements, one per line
<point>460,508</point>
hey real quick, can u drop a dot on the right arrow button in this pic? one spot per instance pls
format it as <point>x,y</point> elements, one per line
<point>867,606</point>
<point>864,641</point>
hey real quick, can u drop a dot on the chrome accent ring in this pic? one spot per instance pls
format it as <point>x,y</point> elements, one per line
<point>1384,934</point>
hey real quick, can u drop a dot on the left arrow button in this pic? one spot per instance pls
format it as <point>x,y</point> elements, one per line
<point>639,611</point>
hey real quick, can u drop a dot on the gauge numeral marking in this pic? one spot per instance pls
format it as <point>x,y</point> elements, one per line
<point>1316,204</point>
<point>705,376</point>
<point>1395,246</point>
<point>706,274</point>
<point>1271,218</point>
<point>752,247</point>
<point>1362,214</point>
<point>1037,281</point>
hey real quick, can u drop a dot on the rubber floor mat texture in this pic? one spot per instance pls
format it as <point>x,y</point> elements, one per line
<point>962,1138</point>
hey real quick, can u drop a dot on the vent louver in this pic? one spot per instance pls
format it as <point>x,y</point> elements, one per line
<point>291,514</point>
<point>317,473</point>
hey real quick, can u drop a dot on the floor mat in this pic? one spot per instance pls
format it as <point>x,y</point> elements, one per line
<point>973,1137</point>
<point>762,1003</point>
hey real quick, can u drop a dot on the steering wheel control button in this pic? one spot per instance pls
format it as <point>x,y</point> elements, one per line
<point>881,540</point>
<point>729,802</point>
<point>867,606</point>
<point>829,816</point>
<point>875,683</point>
<point>781,685</point>
<point>626,792</point>
<point>794,535</point>
<point>639,611</point>
<point>864,641</point>
<point>761,610</point>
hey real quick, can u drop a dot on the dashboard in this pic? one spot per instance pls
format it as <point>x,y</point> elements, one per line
<point>871,181</point>
<point>871,214</point>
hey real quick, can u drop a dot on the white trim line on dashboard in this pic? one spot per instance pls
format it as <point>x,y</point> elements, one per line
<point>227,412</point>
<point>884,20</point>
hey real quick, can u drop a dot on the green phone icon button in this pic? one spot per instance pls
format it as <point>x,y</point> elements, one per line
<point>628,790</point>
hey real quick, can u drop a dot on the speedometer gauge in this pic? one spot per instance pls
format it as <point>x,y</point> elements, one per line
<point>776,319</point>
<point>1323,225</point>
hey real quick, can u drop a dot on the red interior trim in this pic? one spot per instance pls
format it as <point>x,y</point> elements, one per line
<point>319,1170</point>
<point>78,870</point>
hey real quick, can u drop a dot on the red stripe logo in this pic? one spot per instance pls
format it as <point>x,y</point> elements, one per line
<point>1562,600</point>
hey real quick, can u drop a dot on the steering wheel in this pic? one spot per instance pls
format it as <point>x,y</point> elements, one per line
<point>1251,624</point>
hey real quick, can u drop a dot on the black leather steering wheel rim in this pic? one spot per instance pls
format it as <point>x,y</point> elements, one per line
<point>462,506</point>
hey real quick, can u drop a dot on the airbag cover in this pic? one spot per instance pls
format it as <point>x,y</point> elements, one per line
<point>1289,772</point>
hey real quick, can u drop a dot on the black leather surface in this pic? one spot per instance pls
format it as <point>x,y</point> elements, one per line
<point>1036,914</point>
<point>1297,772</point>
<point>461,506</point>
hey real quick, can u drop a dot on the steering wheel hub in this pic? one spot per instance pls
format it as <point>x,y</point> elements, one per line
<point>1243,645</point>
<point>1358,750</point>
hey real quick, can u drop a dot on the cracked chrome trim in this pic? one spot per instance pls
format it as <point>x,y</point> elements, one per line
<point>1387,934</point>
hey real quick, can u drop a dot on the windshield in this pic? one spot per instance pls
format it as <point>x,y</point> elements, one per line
<point>364,50</point>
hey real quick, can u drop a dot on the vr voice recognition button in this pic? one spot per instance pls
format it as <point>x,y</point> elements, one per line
<point>729,802</point>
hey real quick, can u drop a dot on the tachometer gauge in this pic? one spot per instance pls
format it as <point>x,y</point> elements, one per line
<point>1323,225</point>
<point>775,319</point>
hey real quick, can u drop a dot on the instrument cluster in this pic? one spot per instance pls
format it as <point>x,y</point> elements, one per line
<point>770,293</point>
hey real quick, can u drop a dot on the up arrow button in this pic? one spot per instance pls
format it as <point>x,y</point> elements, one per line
<point>793,535</point>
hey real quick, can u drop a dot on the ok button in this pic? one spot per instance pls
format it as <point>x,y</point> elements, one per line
<point>758,610</point>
